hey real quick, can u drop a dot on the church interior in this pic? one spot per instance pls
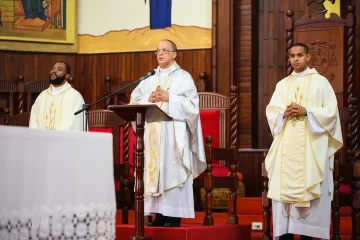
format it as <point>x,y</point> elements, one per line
<point>235,79</point>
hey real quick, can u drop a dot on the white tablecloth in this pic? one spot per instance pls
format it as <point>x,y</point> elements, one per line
<point>56,185</point>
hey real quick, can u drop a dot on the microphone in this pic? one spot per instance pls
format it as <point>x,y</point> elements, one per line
<point>149,74</point>
<point>87,106</point>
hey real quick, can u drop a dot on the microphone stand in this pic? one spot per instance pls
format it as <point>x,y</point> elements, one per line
<point>86,107</point>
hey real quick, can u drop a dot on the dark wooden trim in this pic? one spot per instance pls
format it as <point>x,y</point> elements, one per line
<point>224,46</point>
<point>214,46</point>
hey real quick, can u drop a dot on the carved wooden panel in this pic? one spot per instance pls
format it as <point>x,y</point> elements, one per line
<point>326,48</point>
<point>7,86</point>
<point>37,87</point>
<point>213,100</point>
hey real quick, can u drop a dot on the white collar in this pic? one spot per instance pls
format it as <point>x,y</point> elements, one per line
<point>301,74</point>
<point>166,71</point>
<point>56,90</point>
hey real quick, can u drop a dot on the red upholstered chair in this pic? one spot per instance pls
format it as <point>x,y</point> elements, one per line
<point>218,114</point>
<point>214,116</point>
<point>108,122</point>
<point>127,137</point>
<point>127,142</point>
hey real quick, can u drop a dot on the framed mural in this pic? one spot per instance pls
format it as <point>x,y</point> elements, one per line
<point>49,21</point>
<point>138,25</point>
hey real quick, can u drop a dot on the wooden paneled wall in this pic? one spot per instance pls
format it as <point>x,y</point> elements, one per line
<point>245,67</point>
<point>89,71</point>
<point>271,56</point>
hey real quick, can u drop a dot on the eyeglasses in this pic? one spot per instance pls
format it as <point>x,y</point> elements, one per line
<point>163,51</point>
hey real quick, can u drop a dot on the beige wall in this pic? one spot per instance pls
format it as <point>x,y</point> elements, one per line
<point>96,17</point>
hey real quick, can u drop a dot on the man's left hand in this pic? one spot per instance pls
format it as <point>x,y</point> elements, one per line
<point>162,96</point>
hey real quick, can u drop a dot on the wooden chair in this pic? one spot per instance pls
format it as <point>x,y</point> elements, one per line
<point>223,111</point>
<point>8,94</point>
<point>20,120</point>
<point>209,182</point>
<point>109,122</point>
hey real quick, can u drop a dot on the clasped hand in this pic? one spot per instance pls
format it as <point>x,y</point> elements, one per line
<point>294,110</point>
<point>159,96</point>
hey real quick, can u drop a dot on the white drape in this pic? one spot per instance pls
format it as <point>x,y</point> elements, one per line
<point>56,183</point>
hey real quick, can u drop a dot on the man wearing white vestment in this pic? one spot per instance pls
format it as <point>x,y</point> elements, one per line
<point>174,150</point>
<point>304,120</point>
<point>54,108</point>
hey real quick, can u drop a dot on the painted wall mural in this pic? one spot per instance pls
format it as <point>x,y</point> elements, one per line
<point>137,25</point>
<point>51,21</point>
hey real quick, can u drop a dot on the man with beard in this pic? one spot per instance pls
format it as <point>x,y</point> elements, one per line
<point>54,108</point>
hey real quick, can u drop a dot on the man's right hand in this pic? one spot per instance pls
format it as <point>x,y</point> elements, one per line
<point>288,110</point>
<point>152,97</point>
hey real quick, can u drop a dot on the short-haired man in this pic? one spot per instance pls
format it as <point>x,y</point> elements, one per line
<point>304,120</point>
<point>54,108</point>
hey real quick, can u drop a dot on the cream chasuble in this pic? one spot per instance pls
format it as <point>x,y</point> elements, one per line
<point>174,150</point>
<point>54,109</point>
<point>301,157</point>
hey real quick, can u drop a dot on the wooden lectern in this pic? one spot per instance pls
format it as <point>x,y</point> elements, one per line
<point>139,113</point>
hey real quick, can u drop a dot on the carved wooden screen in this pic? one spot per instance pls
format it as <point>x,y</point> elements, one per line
<point>326,51</point>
